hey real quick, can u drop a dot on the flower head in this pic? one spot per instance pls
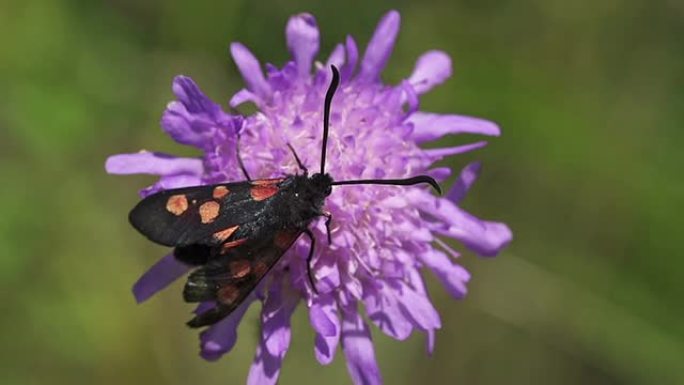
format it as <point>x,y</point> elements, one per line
<point>383,236</point>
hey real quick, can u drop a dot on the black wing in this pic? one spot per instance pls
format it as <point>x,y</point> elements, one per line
<point>206,215</point>
<point>229,278</point>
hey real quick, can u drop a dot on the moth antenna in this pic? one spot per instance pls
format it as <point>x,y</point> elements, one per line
<point>396,182</point>
<point>326,112</point>
<point>299,161</point>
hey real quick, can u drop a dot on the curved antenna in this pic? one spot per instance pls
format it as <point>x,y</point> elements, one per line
<point>326,112</point>
<point>397,182</point>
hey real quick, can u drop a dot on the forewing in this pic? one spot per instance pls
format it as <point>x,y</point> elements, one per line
<point>192,215</point>
<point>230,278</point>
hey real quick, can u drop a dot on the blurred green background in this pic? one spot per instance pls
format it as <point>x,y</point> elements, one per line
<point>589,94</point>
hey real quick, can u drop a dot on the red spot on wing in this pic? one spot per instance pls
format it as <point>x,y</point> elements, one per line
<point>239,269</point>
<point>265,191</point>
<point>177,204</point>
<point>232,244</point>
<point>266,182</point>
<point>225,234</point>
<point>220,192</point>
<point>209,211</point>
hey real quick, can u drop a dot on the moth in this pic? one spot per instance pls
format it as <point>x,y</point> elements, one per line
<point>234,233</point>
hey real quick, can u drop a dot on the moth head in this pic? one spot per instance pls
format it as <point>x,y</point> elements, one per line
<point>321,183</point>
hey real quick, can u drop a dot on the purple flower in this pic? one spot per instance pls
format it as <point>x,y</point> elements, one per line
<point>383,236</point>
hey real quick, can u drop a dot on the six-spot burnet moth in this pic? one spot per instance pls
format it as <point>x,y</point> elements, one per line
<point>236,232</point>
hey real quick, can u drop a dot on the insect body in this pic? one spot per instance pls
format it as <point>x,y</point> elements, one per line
<point>236,232</point>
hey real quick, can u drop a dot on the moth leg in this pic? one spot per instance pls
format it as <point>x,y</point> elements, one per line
<point>299,162</point>
<point>309,259</point>
<point>239,159</point>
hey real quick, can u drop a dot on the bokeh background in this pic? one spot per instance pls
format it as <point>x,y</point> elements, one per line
<point>588,173</point>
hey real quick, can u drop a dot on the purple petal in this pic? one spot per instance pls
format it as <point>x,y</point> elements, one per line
<point>451,275</point>
<point>483,237</point>
<point>384,311</point>
<point>275,335</point>
<point>358,348</point>
<point>326,323</point>
<point>171,182</point>
<point>336,58</point>
<point>194,100</point>
<point>347,70</point>
<point>440,173</point>
<point>193,118</point>
<point>324,348</point>
<point>432,68</point>
<point>282,79</point>
<point>439,153</point>
<point>410,98</point>
<point>265,369</point>
<point>418,307</point>
<point>275,320</point>
<point>327,274</point>
<point>323,73</point>
<point>243,96</point>
<point>380,46</point>
<point>159,276</point>
<point>145,162</point>
<point>220,338</point>
<point>430,126</point>
<point>465,180</point>
<point>249,67</point>
<point>430,343</point>
<point>320,315</point>
<point>302,41</point>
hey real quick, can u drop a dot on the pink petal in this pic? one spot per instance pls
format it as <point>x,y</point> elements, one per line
<point>432,68</point>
